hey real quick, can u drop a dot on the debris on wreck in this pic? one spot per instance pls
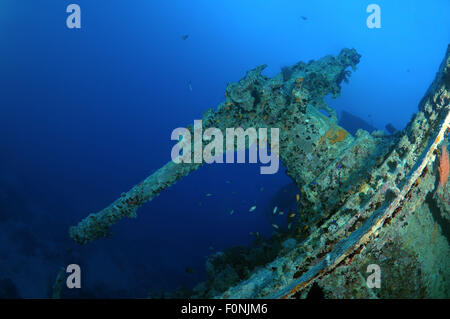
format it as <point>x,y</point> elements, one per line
<point>395,228</point>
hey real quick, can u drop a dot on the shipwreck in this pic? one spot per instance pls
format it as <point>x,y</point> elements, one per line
<point>387,204</point>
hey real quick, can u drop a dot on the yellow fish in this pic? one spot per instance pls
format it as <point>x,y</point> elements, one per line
<point>297,197</point>
<point>292,215</point>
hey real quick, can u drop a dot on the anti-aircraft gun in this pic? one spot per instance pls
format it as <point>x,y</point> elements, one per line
<point>358,190</point>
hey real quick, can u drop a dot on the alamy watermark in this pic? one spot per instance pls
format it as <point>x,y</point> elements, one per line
<point>374,19</point>
<point>73,21</point>
<point>374,279</point>
<point>256,140</point>
<point>74,279</point>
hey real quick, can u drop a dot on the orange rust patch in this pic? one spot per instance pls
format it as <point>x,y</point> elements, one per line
<point>417,182</point>
<point>443,167</point>
<point>334,135</point>
<point>296,289</point>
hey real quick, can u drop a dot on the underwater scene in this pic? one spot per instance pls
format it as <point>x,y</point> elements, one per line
<point>227,149</point>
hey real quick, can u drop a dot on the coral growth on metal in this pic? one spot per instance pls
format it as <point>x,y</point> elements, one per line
<point>376,199</point>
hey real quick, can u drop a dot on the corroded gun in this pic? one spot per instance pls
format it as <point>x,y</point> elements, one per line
<point>369,197</point>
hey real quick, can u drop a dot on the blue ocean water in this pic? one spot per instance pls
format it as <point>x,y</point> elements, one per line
<point>86,114</point>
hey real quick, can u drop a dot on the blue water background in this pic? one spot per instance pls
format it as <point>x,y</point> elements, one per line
<point>86,114</point>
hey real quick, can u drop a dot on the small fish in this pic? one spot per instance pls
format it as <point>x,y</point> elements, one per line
<point>297,197</point>
<point>292,215</point>
<point>275,210</point>
<point>211,248</point>
<point>208,195</point>
<point>252,208</point>
<point>304,18</point>
<point>184,37</point>
<point>233,192</point>
<point>228,182</point>
<point>275,226</point>
<point>281,213</point>
<point>232,212</point>
<point>289,225</point>
<point>261,189</point>
<point>189,270</point>
<point>339,166</point>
